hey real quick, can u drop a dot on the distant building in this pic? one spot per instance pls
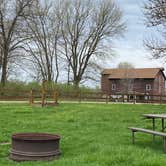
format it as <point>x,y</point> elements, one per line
<point>140,81</point>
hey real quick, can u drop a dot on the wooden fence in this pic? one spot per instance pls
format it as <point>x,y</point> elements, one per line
<point>17,95</point>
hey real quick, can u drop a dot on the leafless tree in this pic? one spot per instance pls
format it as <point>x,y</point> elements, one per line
<point>125,65</point>
<point>86,27</point>
<point>43,29</point>
<point>128,79</point>
<point>11,17</point>
<point>155,13</point>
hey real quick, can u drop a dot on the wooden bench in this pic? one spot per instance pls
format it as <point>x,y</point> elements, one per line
<point>134,129</point>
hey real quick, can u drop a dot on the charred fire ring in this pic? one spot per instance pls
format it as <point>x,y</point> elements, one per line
<point>34,146</point>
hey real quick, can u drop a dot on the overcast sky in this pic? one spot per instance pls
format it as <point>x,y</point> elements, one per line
<point>130,48</point>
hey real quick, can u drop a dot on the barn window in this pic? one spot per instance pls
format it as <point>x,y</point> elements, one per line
<point>148,87</point>
<point>113,86</point>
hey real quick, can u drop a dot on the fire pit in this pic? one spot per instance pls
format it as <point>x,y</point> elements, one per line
<point>34,146</point>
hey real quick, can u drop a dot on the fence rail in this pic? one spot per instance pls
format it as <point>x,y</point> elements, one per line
<point>8,95</point>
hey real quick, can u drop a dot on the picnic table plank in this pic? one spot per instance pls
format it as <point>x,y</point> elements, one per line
<point>135,129</point>
<point>155,116</point>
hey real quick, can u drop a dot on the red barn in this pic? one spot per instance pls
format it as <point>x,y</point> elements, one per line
<point>138,80</point>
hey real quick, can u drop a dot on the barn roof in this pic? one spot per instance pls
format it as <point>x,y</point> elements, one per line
<point>149,73</point>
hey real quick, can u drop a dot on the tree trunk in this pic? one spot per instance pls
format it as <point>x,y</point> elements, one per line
<point>4,69</point>
<point>57,70</point>
<point>68,74</point>
<point>49,77</point>
<point>76,82</point>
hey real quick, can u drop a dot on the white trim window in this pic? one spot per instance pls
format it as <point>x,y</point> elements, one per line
<point>113,86</point>
<point>148,87</point>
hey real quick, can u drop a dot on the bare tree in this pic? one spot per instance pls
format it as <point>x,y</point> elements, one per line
<point>155,13</point>
<point>128,78</point>
<point>86,27</point>
<point>125,65</point>
<point>11,16</point>
<point>43,30</point>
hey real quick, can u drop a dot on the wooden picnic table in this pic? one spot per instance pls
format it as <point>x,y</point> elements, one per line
<point>156,116</point>
<point>153,132</point>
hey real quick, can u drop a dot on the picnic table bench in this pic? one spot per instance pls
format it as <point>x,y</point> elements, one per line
<point>157,133</point>
<point>153,132</point>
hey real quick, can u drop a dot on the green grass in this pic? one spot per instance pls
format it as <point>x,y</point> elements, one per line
<point>92,134</point>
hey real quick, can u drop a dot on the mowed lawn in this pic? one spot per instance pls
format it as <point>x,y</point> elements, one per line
<point>92,134</point>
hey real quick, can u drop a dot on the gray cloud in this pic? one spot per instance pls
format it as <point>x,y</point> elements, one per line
<point>130,48</point>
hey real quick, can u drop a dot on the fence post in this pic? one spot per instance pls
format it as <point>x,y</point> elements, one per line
<point>123,98</point>
<point>134,98</point>
<point>160,99</point>
<point>106,98</point>
<point>31,97</point>
<point>80,96</point>
<point>147,98</point>
<point>56,97</point>
<point>127,97</point>
<point>43,93</point>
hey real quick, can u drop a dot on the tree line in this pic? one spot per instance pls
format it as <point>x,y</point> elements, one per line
<point>48,37</point>
<point>51,36</point>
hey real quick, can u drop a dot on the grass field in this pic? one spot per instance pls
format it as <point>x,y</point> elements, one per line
<point>92,134</point>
